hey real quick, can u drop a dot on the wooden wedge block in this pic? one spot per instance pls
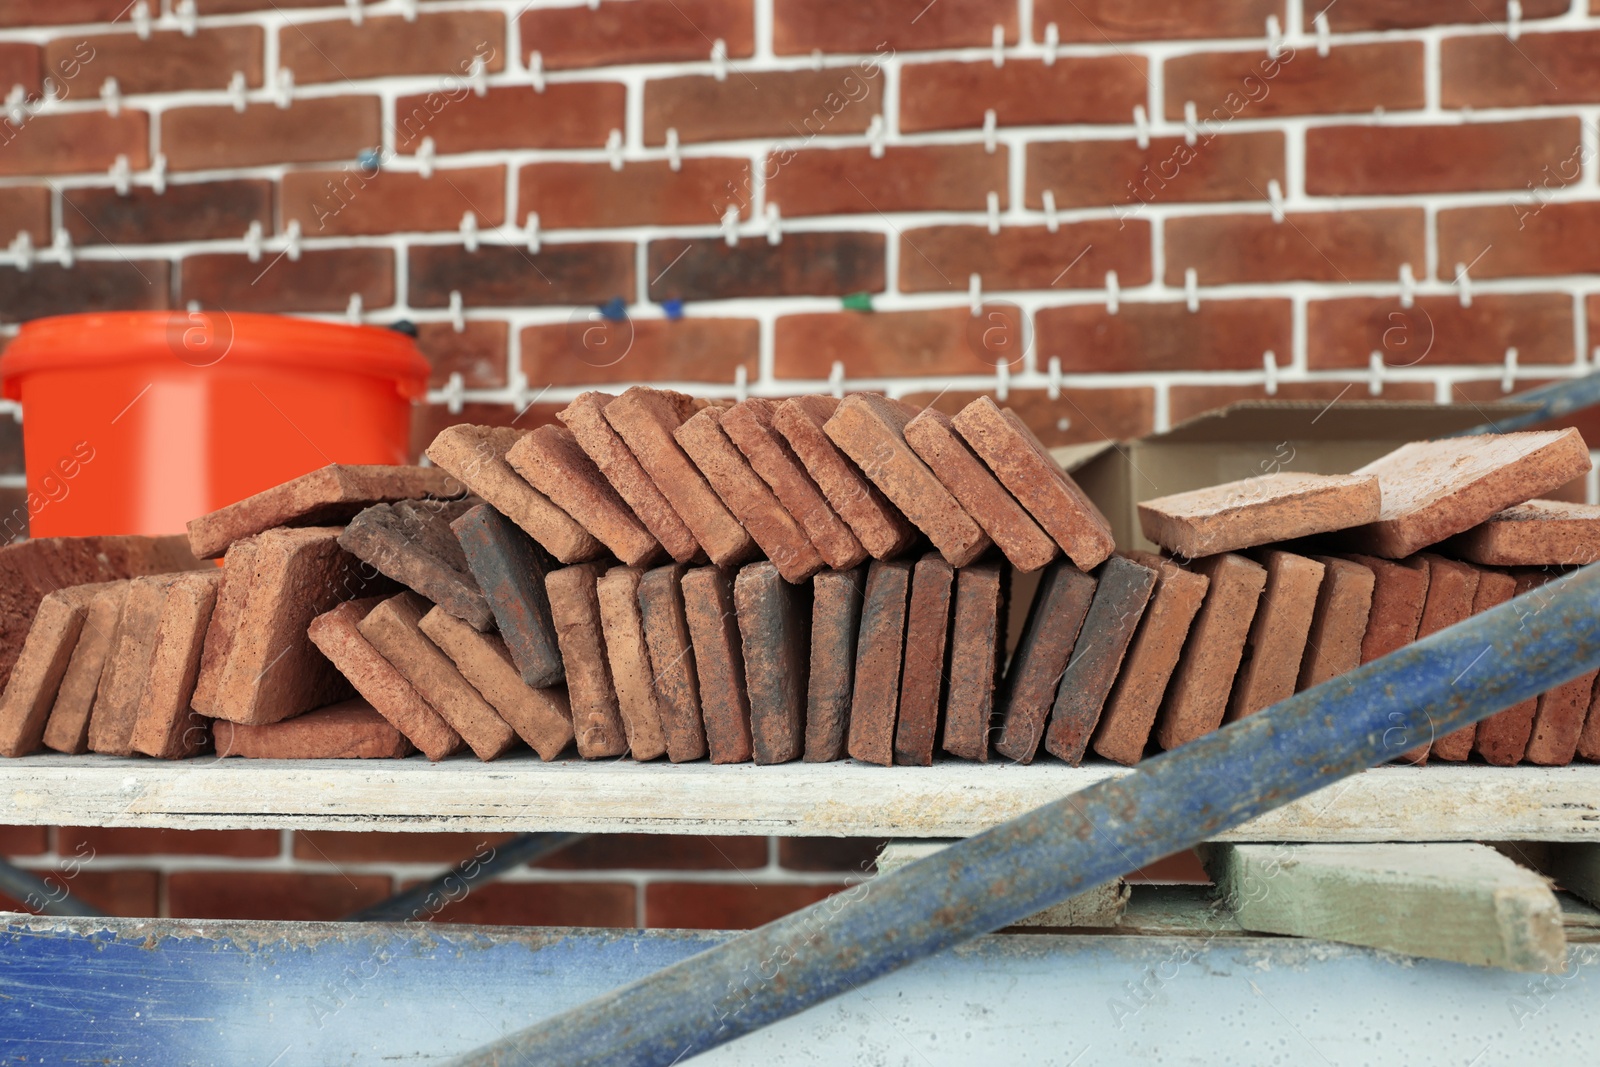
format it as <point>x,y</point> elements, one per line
<point>870,429</point>
<point>510,569</point>
<point>1502,738</point>
<point>476,456</point>
<point>328,496</point>
<point>541,717</point>
<point>552,461</point>
<point>127,670</point>
<point>880,645</point>
<point>1256,511</point>
<point>1338,623</point>
<point>1278,635</point>
<point>67,729</point>
<point>258,664</point>
<point>1492,589</point>
<point>645,419</point>
<point>836,598</point>
<point>575,609</point>
<point>750,499</point>
<point>338,635</point>
<point>351,729</point>
<point>167,727</point>
<point>1433,489</point>
<point>750,426</point>
<point>1121,595</point>
<point>1539,533</point>
<point>1197,696</point>
<point>1054,619</point>
<point>1136,695</point>
<point>775,633</point>
<point>585,417</point>
<point>719,663</point>
<point>881,529</point>
<point>412,542</point>
<point>46,654</point>
<point>977,656</point>
<point>922,677</point>
<point>1037,481</point>
<point>933,436</point>
<point>666,635</point>
<point>638,699</point>
<point>1461,902</point>
<point>394,627</point>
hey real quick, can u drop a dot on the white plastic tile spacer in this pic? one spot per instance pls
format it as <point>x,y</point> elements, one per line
<point>192,306</point>
<point>999,45</point>
<point>536,71</point>
<point>158,174</point>
<point>1513,20</point>
<point>975,293</point>
<point>62,247</point>
<point>425,157</point>
<point>478,76</point>
<point>408,10</point>
<point>111,95</point>
<point>836,380</point>
<point>674,159</point>
<point>1141,126</point>
<point>458,319</point>
<point>993,206</point>
<point>469,230</point>
<point>1191,123</point>
<point>1113,292</point>
<point>1375,374</point>
<point>291,237</point>
<point>741,384</point>
<point>1052,41</point>
<point>121,175</point>
<point>283,87</point>
<point>730,225</point>
<point>816,59</point>
<point>1274,37</point>
<point>1324,35</point>
<point>1508,374</point>
<point>1191,288</point>
<point>614,148</point>
<point>990,123</point>
<point>719,59</point>
<point>455,393</point>
<point>774,225</point>
<point>237,90</point>
<point>188,17</point>
<point>1002,380</point>
<point>1275,198</point>
<point>1051,222</point>
<point>252,242</point>
<point>355,8</point>
<point>352,310</point>
<point>1269,364</point>
<point>1464,282</point>
<point>1052,387</point>
<point>875,136</point>
<point>530,228</point>
<point>141,20</point>
<point>22,250</point>
<point>1408,286</point>
<point>17,105</point>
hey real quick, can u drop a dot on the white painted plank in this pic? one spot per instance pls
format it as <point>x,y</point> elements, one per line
<point>950,799</point>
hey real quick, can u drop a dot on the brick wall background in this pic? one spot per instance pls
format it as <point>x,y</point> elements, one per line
<point>1115,214</point>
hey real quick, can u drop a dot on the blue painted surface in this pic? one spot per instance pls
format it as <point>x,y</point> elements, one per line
<point>275,995</point>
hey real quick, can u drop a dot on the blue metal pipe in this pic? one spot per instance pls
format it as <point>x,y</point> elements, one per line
<point>48,897</point>
<point>1553,400</point>
<point>1171,802</point>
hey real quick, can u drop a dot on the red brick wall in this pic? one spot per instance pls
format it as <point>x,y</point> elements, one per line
<point>1251,195</point>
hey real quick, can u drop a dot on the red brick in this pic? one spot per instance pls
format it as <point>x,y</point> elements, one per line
<point>1221,335</point>
<point>1075,416</point>
<point>510,275</point>
<point>354,846</point>
<point>883,344</point>
<point>1187,401</point>
<point>646,192</point>
<point>564,115</point>
<point>138,841</point>
<point>10,445</point>
<point>778,103</point>
<point>660,852</point>
<point>31,13</point>
<point>1099,21</point>
<point>1491,70</point>
<point>78,141</point>
<point>477,353</point>
<point>1180,868</point>
<point>1027,257</point>
<point>309,130</point>
<point>1123,175</point>
<point>848,181</point>
<point>584,351</point>
<point>803,264</point>
<point>1023,92</point>
<point>26,209</point>
<point>24,840</point>
<point>201,211</point>
<point>320,280</point>
<point>1438,330</point>
<point>1351,78</point>
<point>647,31</point>
<point>1354,15</point>
<point>358,200</point>
<point>537,904</point>
<point>1368,160</point>
<point>732,906</point>
<point>168,61</point>
<point>133,894</point>
<point>1328,246</point>
<point>801,26</point>
<point>292,897</point>
<point>443,43</point>
<point>14,506</point>
<point>89,285</point>
<point>21,64</point>
<point>1520,237</point>
<point>858,855</point>
<point>229,7</point>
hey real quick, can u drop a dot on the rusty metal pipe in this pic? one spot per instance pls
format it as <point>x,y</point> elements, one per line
<point>1169,803</point>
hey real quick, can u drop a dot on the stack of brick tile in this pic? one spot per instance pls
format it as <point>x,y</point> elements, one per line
<point>813,579</point>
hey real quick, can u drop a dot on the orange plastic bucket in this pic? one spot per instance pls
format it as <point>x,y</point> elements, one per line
<point>136,422</point>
